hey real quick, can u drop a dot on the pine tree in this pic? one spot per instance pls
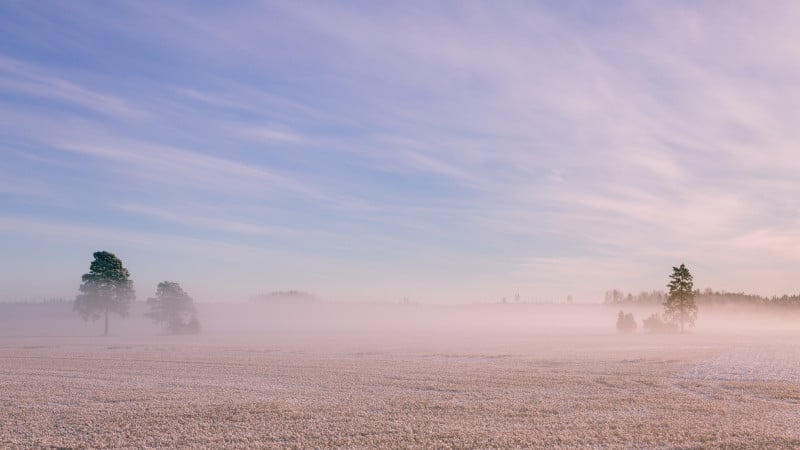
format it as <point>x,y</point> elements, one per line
<point>680,306</point>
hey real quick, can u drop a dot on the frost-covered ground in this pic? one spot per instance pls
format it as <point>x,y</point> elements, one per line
<point>372,390</point>
<point>778,361</point>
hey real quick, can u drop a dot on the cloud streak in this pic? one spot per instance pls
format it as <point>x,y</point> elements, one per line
<point>24,79</point>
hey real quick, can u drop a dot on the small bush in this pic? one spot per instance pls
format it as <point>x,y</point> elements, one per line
<point>190,327</point>
<point>655,324</point>
<point>626,323</point>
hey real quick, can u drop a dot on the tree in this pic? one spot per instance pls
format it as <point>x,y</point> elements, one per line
<point>173,308</point>
<point>680,306</point>
<point>107,288</point>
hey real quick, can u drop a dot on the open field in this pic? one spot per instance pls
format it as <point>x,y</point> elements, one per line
<point>369,390</point>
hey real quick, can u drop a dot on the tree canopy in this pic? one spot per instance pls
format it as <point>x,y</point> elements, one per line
<point>680,306</point>
<point>173,308</point>
<point>107,288</point>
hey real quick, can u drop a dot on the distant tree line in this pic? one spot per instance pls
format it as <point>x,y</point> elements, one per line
<point>706,297</point>
<point>46,301</point>
<point>290,296</point>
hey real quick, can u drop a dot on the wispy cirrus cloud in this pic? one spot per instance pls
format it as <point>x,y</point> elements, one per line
<point>268,133</point>
<point>20,78</point>
<point>176,165</point>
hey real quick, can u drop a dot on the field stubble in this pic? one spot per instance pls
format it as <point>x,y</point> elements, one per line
<point>364,390</point>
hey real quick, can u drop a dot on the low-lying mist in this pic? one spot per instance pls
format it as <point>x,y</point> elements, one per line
<point>320,317</point>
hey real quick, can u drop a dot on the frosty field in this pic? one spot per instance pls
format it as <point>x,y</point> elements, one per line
<point>372,390</point>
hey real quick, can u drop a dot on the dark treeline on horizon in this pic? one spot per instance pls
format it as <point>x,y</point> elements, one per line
<point>707,296</point>
<point>612,297</point>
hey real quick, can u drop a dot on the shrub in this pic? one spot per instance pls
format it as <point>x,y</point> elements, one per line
<point>626,323</point>
<point>655,324</point>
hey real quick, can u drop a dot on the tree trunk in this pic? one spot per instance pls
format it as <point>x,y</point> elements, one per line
<point>106,332</point>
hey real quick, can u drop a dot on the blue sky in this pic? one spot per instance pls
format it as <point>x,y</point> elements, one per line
<point>443,152</point>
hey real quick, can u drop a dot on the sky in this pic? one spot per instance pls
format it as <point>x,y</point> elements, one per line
<point>444,152</point>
